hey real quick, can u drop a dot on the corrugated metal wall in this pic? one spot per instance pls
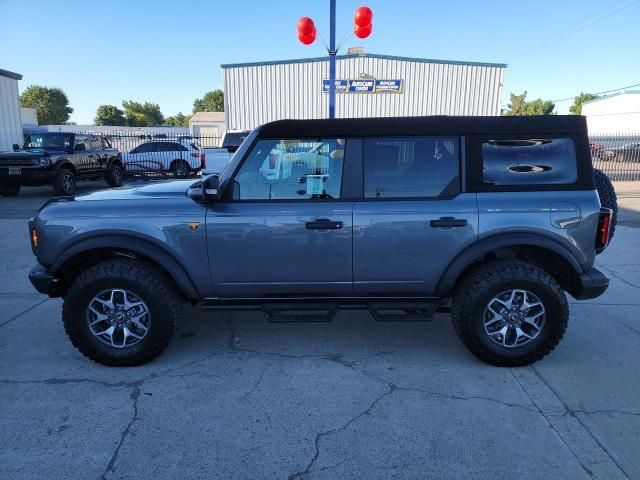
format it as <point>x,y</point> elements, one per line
<point>10,123</point>
<point>256,94</point>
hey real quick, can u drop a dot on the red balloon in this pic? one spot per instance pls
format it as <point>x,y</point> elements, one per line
<point>362,32</point>
<point>307,39</point>
<point>305,26</point>
<point>363,16</point>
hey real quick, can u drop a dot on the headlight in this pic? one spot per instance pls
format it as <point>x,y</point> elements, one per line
<point>44,162</point>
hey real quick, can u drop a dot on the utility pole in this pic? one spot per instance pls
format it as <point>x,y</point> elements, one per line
<point>332,58</point>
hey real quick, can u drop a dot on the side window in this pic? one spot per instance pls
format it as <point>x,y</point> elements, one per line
<point>94,143</point>
<point>529,161</point>
<point>291,170</point>
<point>80,144</point>
<point>411,167</point>
<point>143,148</point>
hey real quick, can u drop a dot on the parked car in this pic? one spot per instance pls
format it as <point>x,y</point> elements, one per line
<point>181,158</point>
<point>410,214</point>
<point>59,159</point>
<point>629,152</point>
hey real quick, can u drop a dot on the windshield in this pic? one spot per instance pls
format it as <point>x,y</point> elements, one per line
<point>57,141</point>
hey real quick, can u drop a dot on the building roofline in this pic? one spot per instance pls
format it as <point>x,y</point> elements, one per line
<point>603,97</point>
<point>7,73</point>
<point>365,55</point>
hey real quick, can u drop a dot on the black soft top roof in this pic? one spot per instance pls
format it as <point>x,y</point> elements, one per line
<point>435,125</point>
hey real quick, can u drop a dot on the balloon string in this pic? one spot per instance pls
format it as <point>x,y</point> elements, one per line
<point>344,39</point>
<point>322,40</point>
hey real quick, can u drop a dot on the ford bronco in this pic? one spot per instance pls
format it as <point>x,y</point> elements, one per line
<point>59,159</point>
<point>491,218</point>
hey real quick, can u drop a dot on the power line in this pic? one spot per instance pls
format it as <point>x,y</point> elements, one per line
<point>598,93</point>
<point>578,28</point>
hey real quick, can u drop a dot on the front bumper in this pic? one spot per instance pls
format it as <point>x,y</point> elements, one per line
<point>44,281</point>
<point>592,284</point>
<point>29,176</point>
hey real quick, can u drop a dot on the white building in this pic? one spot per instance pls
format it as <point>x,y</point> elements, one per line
<point>10,123</point>
<point>367,85</point>
<point>614,114</point>
<point>209,126</point>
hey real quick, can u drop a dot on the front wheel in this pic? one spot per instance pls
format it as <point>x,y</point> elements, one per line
<point>10,190</point>
<point>510,313</point>
<point>65,182</point>
<point>121,312</point>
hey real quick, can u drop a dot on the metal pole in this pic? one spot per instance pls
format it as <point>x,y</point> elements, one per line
<point>332,58</point>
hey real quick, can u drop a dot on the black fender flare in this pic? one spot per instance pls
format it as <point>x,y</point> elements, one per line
<point>141,246</point>
<point>64,163</point>
<point>488,244</point>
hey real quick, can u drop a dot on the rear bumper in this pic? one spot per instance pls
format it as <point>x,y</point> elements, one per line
<point>44,281</point>
<point>592,284</point>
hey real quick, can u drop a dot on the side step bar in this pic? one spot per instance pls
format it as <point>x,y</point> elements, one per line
<point>295,310</point>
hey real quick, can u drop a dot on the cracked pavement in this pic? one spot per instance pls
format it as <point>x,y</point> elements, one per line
<point>236,397</point>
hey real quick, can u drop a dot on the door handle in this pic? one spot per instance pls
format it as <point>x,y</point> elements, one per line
<point>323,224</point>
<point>448,222</point>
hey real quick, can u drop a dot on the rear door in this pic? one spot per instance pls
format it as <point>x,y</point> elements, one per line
<point>284,235</point>
<point>414,218</point>
<point>81,152</point>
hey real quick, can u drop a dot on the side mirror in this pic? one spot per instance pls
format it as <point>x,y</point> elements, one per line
<point>206,190</point>
<point>16,147</point>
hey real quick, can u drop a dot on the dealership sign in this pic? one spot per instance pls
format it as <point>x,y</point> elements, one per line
<point>364,86</point>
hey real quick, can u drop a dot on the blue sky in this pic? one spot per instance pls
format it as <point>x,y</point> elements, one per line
<point>103,52</point>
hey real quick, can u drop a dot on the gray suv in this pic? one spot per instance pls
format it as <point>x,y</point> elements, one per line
<point>490,218</point>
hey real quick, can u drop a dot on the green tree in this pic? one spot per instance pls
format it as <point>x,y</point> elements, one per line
<point>179,120</point>
<point>518,106</point>
<point>51,104</point>
<point>109,115</point>
<point>145,114</point>
<point>212,101</point>
<point>576,108</point>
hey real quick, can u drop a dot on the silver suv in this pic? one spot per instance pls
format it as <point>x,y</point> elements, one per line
<point>490,218</point>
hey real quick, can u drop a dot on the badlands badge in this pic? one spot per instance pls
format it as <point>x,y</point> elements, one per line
<point>193,226</point>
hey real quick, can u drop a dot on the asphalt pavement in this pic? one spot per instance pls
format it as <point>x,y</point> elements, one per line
<point>235,397</point>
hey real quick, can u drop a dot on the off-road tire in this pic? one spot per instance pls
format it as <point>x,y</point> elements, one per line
<point>60,185</point>
<point>607,194</point>
<point>10,190</point>
<point>486,281</point>
<point>114,175</point>
<point>177,171</point>
<point>152,286</point>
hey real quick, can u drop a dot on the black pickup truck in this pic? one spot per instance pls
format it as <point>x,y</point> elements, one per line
<point>59,159</point>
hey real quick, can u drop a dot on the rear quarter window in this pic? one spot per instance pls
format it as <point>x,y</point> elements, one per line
<point>531,161</point>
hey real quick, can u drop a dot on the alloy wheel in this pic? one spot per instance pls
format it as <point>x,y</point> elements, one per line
<point>118,318</point>
<point>514,318</point>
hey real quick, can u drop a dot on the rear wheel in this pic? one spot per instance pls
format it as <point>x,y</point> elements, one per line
<point>180,168</point>
<point>65,182</point>
<point>121,312</point>
<point>607,194</point>
<point>9,190</point>
<point>114,175</point>
<point>510,313</point>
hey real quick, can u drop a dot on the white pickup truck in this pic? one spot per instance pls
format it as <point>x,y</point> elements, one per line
<point>216,159</point>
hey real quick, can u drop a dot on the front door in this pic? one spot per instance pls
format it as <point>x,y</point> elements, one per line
<point>282,229</point>
<point>414,219</point>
